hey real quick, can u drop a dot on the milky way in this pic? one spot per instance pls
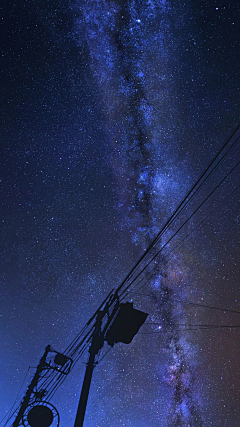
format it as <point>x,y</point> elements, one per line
<point>123,67</point>
<point>112,109</point>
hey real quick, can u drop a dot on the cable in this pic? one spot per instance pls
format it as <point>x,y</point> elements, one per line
<point>81,343</point>
<point>200,223</point>
<point>170,220</point>
<point>197,325</point>
<point>80,347</point>
<point>204,181</point>
<point>75,350</point>
<point>60,378</point>
<point>105,355</point>
<point>192,328</point>
<point>54,377</point>
<point>181,241</point>
<point>69,347</point>
<point>80,354</point>
<point>17,398</point>
<point>180,228</point>
<point>74,346</point>
<point>11,415</point>
<point>192,303</point>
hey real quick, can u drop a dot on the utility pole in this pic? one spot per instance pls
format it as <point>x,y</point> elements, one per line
<point>30,388</point>
<point>117,322</point>
<point>96,345</point>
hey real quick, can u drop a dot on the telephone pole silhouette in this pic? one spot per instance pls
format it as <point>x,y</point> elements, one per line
<point>30,388</point>
<point>118,324</point>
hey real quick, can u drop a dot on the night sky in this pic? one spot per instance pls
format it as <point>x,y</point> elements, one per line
<point>110,112</point>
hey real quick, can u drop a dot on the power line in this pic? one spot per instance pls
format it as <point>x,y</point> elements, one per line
<point>172,217</point>
<point>181,241</point>
<point>105,354</point>
<point>14,403</point>
<point>80,342</point>
<point>205,180</point>
<point>190,328</point>
<point>191,303</point>
<point>180,228</point>
<point>11,415</point>
<point>76,346</point>
<point>71,345</point>
<point>74,350</point>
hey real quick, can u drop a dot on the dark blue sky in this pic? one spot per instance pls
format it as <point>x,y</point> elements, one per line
<point>111,110</point>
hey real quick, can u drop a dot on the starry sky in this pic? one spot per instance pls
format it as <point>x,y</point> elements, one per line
<point>110,112</point>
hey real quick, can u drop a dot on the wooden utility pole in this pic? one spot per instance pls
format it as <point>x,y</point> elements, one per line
<point>30,388</point>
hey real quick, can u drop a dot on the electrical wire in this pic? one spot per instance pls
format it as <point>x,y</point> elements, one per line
<point>75,345</point>
<point>205,180</point>
<point>105,354</point>
<point>13,413</point>
<point>58,382</point>
<point>77,348</point>
<point>149,273</point>
<point>173,215</point>
<point>180,228</point>
<point>54,378</point>
<point>70,347</point>
<point>200,325</point>
<point>17,398</point>
<point>191,303</point>
<point>192,328</point>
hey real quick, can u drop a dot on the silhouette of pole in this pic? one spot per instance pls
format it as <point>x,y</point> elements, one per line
<point>30,388</point>
<point>96,345</point>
